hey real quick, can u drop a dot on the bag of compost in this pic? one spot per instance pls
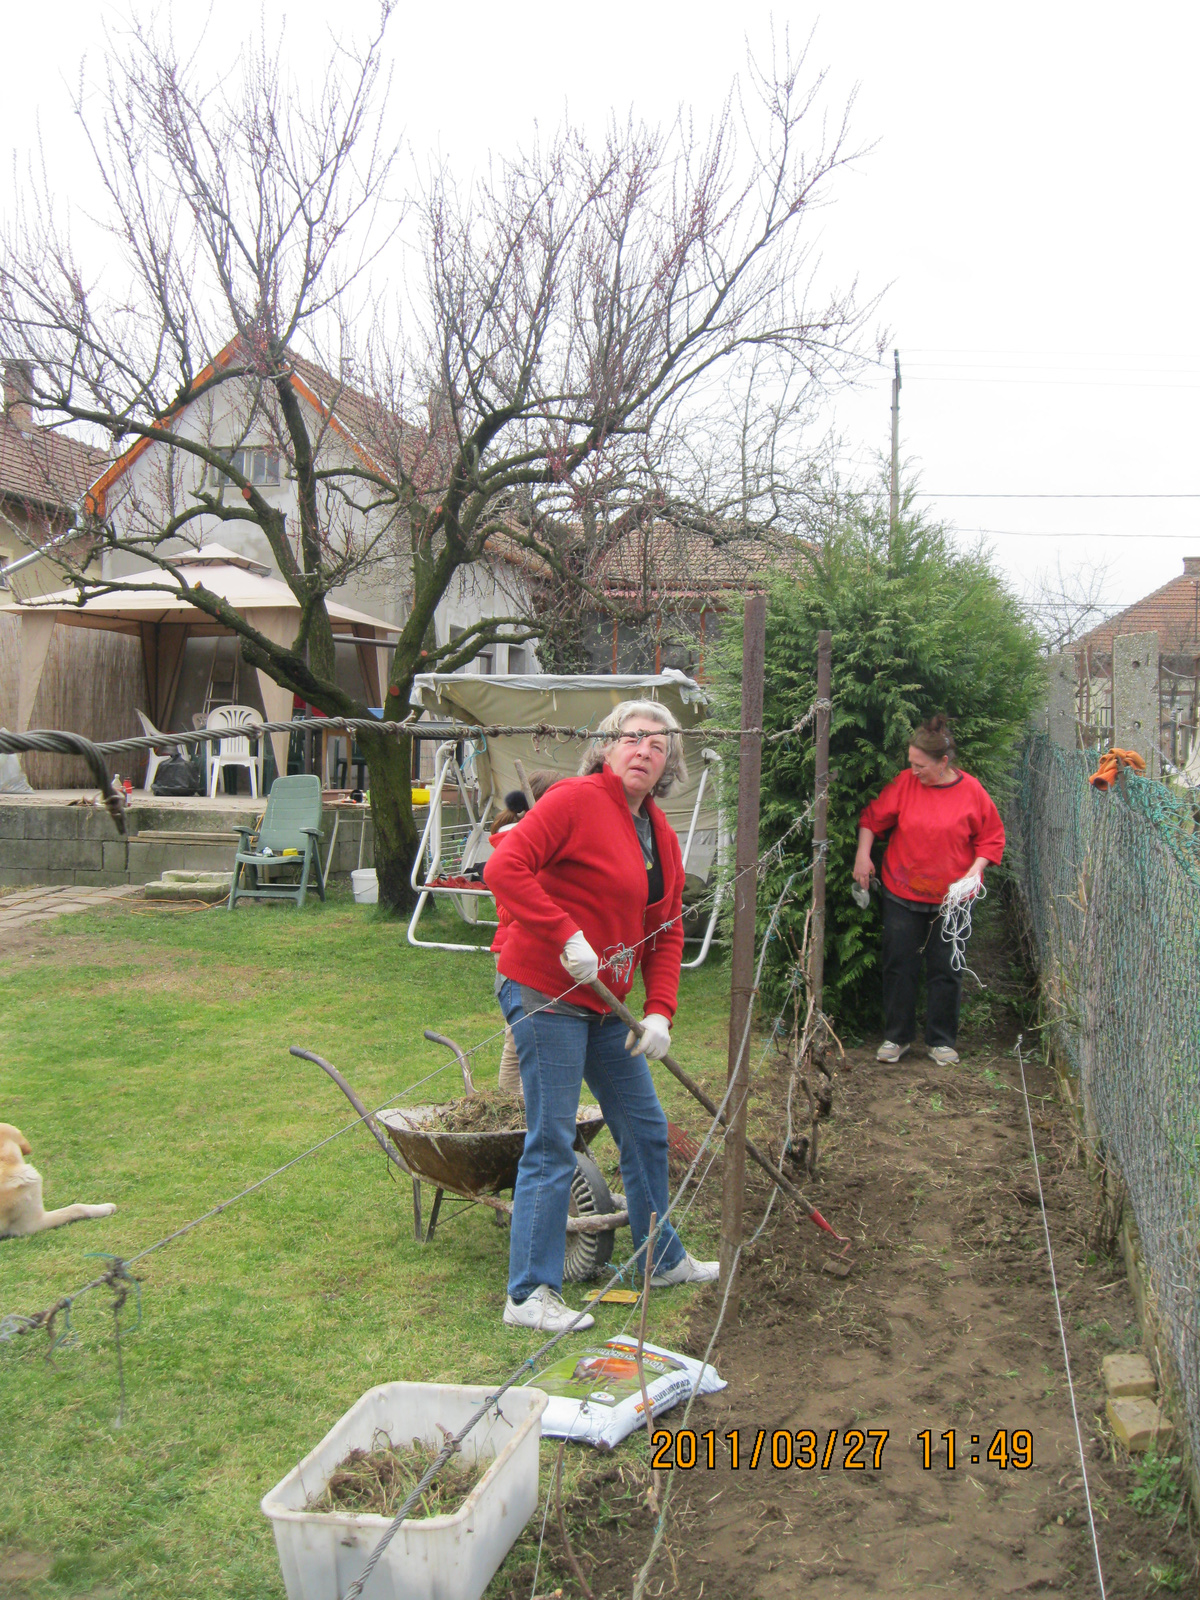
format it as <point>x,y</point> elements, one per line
<point>595,1395</point>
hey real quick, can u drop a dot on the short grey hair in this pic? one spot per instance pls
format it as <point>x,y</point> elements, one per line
<point>675,773</point>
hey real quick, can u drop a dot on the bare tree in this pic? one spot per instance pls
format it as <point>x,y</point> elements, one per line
<point>605,337</point>
<point>1065,603</point>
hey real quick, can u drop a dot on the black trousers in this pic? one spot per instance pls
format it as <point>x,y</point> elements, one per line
<point>912,936</point>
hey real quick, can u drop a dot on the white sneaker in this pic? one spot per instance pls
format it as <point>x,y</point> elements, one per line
<point>891,1052</point>
<point>943,1055</point>
<point>689,1270</point>
<point>545,1309</point>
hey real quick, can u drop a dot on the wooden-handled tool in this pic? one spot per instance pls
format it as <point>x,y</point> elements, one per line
<point>694,1089</point>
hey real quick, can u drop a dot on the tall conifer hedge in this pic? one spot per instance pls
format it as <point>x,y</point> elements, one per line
<point>918,627</point>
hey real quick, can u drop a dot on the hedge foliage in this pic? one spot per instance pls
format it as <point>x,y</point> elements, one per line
<point>918,627</point>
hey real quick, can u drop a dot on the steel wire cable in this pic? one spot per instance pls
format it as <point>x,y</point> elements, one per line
<point>1062,1331</point>
<point>455,1442</point>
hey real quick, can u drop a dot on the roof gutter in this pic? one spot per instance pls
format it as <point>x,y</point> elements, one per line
<point>36,555</point>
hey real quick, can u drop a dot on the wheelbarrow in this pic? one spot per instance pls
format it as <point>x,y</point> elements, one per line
<point>476,1166</point>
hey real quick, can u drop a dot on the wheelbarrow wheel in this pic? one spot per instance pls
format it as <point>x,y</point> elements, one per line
<point>588,1253</point>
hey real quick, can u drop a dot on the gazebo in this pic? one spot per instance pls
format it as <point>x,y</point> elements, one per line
<point>164,622</point>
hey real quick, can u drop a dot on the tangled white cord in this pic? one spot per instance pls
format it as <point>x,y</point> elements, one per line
<point>956,920</point>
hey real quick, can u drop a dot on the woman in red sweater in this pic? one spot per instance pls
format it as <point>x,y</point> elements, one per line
<point>593,882</point>
<point>943,830</point>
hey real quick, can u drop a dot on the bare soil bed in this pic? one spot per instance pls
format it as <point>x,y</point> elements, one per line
<point>945,1321</point>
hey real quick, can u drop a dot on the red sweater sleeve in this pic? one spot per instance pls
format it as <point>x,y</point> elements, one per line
<point>663,950</point>
<point>883,812</point>
<point>989,836</point>
<point>511,873</point>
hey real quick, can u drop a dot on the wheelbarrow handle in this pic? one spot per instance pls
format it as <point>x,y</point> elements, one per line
<point>440,1038</point>
<point>697,1093</point>
<point>381,1139</point>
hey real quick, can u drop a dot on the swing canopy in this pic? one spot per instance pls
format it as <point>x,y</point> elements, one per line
<point>583,701</point>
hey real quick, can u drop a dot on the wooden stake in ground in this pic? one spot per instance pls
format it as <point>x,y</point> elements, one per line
<point>816,958</point>
<point>745,884</point>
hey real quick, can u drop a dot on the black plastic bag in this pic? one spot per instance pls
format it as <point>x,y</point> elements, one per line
<point>178,776</point>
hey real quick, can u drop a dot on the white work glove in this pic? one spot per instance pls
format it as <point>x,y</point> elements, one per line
<point>966,888</point>
<point>655,1038</point>
<point>580,960</point>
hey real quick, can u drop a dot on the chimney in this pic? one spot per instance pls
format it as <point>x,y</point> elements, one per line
<point>1191,566</point>
<point>18,391</point>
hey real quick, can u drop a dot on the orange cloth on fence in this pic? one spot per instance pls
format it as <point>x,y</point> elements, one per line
<point>1111,763</point>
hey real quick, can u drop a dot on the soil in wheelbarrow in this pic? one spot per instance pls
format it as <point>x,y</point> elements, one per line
<point>944,1321</point>
<point>379,1480</point>
<point>485,1111</point>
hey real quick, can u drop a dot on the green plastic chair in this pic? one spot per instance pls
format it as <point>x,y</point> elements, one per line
<point>292,821</point>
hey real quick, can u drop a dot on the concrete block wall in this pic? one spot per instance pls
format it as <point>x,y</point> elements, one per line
<point>62,844</point>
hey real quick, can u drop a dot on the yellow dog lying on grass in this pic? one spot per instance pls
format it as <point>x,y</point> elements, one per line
<point>21,1210</point>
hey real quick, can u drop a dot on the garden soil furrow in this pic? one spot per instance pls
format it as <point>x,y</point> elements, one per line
<point>946,1321</point>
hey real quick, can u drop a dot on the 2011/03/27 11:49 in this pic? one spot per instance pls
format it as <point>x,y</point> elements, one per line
<point>1009,1448</point>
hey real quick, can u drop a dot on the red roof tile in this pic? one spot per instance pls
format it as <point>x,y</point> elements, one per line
<point>685,564</point>
<point>44,467</point>
<point>1173,612</point>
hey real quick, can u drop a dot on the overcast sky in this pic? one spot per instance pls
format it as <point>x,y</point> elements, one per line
<point>1029,207</point>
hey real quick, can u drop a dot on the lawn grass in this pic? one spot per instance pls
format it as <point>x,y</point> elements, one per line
<point>145,1056</point>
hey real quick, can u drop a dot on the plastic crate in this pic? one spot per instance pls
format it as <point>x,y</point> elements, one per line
<point>321,1553</point>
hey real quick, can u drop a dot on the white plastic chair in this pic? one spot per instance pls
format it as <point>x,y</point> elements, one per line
<point>153,759</point>
<point>233,751</point>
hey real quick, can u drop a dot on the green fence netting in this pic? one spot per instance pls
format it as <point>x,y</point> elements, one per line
<point>1111,881</point>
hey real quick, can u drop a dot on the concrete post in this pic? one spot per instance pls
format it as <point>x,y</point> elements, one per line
<point>1062,713</point>
<point>1135,697</point>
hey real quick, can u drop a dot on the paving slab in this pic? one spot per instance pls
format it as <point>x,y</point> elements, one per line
<point>28,906</point>
<point>1139,1424</point>
<point>1128,1375</point>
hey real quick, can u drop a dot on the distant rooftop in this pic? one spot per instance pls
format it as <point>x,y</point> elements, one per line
<point>1173,612</point>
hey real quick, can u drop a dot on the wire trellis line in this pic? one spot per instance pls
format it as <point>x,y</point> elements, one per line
<point>455,1442</point>
<point>57,742</point>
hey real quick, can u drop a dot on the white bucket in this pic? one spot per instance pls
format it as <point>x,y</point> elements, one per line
<point>321,1553</point>
<point>365,884</point>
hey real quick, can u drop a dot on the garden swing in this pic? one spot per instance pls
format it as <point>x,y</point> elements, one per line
<point>473,774</point>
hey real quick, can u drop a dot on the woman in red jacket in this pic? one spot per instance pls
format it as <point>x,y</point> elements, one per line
<point>593,882</point>
<point>943,830</point>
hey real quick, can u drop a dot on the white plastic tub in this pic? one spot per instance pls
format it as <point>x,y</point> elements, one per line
<point>321,1553</point>
<point>365,883</point>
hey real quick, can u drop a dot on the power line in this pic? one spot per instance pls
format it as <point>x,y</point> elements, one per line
<point>1005,494</point>
<point>1050,383</point>
<point>1067,355</point>
<point>1046,533</point>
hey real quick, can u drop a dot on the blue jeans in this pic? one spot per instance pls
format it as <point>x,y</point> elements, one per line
<point>557,1055</point>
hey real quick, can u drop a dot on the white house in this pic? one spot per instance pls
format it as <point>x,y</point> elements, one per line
<point>152,483</point>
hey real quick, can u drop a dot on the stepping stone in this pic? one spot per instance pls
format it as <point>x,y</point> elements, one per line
<point>1139,1424</point>
<point>210,886</point>
<point>1127,1375</point>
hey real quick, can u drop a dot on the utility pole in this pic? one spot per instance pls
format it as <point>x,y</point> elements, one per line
<point>745,884</point>
<point>894,521</point>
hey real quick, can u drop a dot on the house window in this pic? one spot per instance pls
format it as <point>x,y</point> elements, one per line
<point>261,467</point>
<point>518,659</point>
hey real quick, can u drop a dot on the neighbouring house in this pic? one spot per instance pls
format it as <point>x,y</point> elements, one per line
<point>682,581</point>
<point>349,428</point>
<point>85,683</point>
<point>1172,613</point>
<point>43,473</point>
